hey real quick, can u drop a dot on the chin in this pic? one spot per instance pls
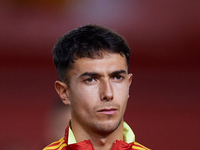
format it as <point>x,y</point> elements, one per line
<point>107,127</point>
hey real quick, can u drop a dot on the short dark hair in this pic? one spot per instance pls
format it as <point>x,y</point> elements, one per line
<point>86,41</point>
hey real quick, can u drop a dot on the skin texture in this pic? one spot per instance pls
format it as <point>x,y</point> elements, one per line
<point>97,93</point>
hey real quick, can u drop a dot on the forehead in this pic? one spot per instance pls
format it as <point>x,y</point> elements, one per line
<point>108,63</point>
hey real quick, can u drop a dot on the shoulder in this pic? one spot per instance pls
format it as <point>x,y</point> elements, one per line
<point>137,146</point>
<point>60,144</point>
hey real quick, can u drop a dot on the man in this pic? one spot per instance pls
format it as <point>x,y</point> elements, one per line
<point>92,65</point>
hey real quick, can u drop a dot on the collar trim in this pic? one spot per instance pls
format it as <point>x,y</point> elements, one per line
<point>128,134</point>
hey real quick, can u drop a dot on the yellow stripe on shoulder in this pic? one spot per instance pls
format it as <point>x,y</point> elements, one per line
<point>63,145</point>
<point>138,146</point>
<point>55,145</point>
<point>57,141</point>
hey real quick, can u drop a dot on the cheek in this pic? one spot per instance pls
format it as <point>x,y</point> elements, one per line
<point>122,95</point>
<point>82,97</point>
<point>91,91</point>
<point>122,90</point>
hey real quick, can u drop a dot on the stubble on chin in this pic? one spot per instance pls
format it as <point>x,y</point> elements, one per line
<point>108,123</point>
<point>105,128</point>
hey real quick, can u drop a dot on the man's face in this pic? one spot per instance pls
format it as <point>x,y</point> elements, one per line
<point>98,92</point>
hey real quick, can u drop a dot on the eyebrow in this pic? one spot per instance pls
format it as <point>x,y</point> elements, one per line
<point>119,72</point>
<point>93,74</point>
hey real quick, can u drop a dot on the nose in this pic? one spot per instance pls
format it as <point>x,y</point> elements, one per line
<point>106,91</point>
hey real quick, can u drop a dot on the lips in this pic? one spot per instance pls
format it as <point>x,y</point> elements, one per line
<point>107,111</point>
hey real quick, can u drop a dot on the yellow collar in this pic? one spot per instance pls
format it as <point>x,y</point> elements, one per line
<point>128,134</point>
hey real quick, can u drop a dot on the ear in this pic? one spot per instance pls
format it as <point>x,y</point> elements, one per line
<point>63,91</point>
<point>130,76</point>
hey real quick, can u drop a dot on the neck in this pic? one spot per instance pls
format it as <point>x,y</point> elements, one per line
<point>99,141</point>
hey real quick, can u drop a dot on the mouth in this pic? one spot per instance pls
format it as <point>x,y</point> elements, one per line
<point>110,111</point>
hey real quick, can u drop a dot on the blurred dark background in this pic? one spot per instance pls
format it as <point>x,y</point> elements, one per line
<point>164,106</point>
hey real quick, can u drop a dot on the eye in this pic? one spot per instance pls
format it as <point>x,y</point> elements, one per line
<point>90,80</point>
<point>118,77</point>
